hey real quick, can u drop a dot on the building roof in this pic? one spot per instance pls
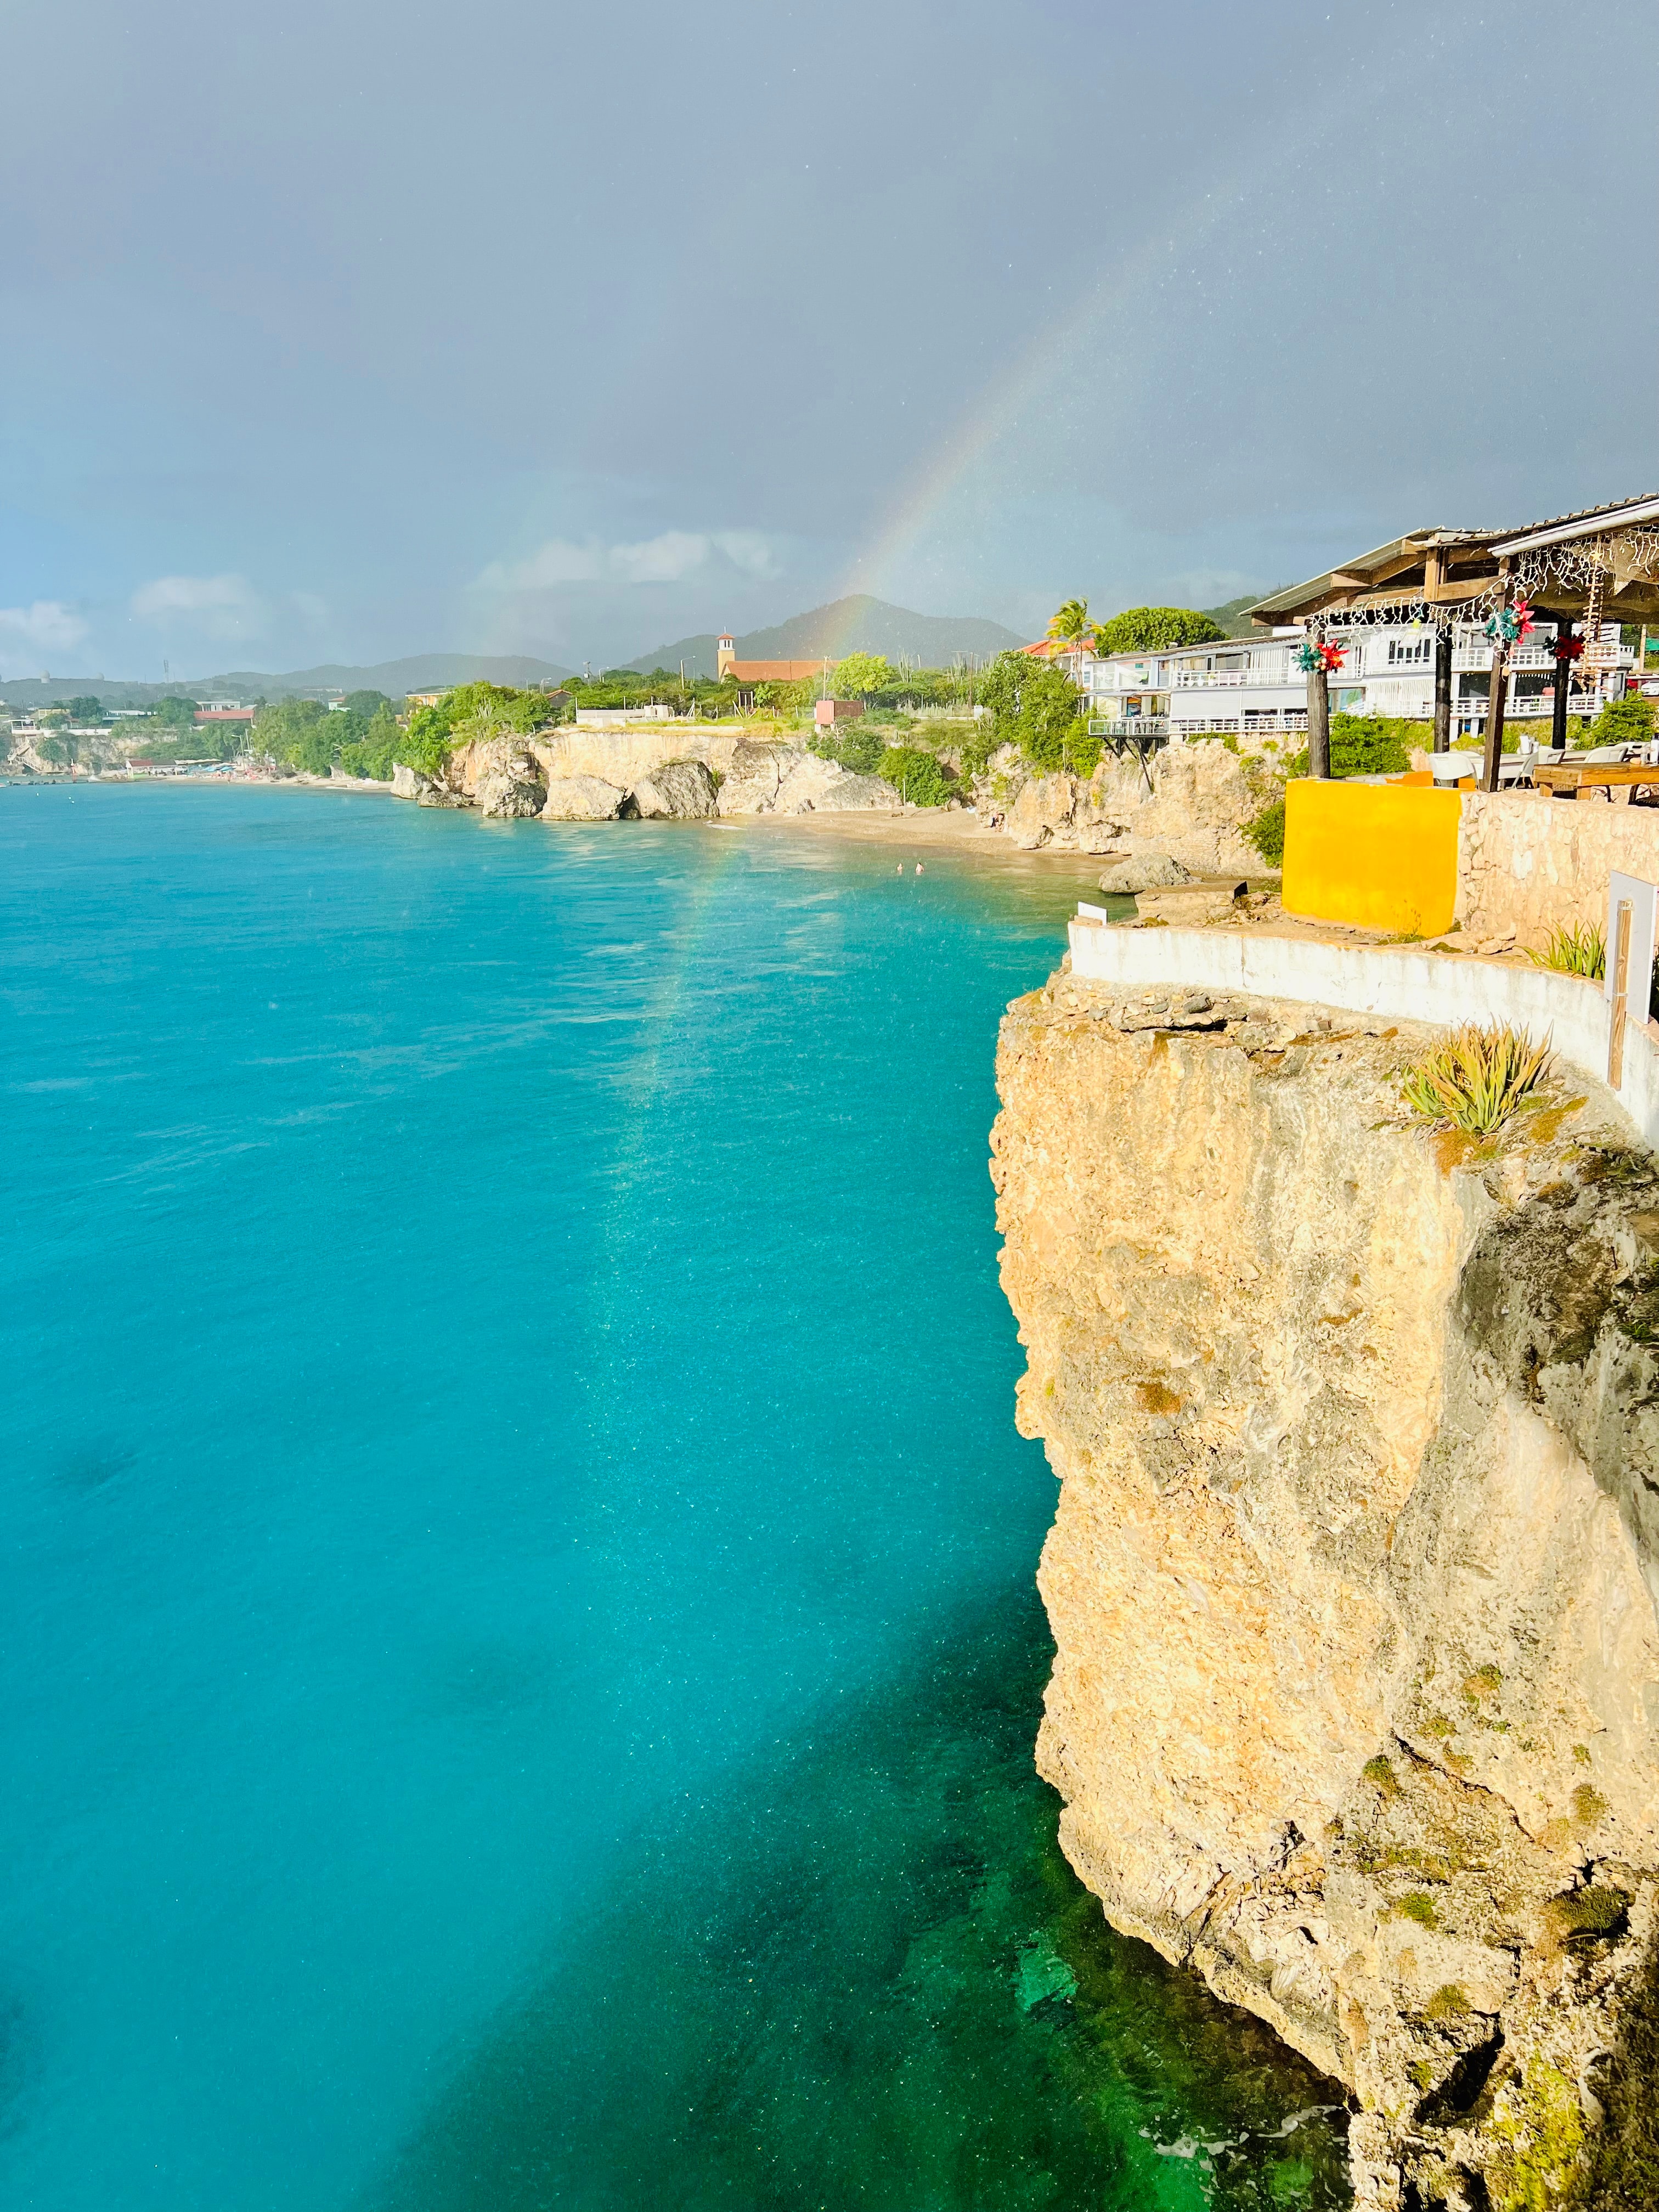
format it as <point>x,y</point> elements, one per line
<point>1400,565</point>
<point>774,671</point>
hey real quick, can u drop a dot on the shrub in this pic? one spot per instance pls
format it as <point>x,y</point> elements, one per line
<point>917,776</point>
<point>1626,721</point>
<point>1447,2003</point>
<point>1418,1906</point>
<point>1266,832</point>
<point>1589,1913</point>
<point>1474,1079</point>
<point>1579,948</point>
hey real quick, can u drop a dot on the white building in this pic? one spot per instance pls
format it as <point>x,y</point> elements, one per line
<point>1253,686</point>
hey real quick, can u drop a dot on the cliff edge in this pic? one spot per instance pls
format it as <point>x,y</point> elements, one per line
<point>1353,1576</point>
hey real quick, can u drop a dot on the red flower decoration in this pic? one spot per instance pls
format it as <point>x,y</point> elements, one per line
<point>1568,647</point>
<point>1522,613</point>
<point>1332,655</point>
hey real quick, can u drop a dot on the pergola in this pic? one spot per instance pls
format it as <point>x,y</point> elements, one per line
<point>1597,566</point>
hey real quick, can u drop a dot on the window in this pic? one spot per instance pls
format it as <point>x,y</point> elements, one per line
<point>1410,652</point>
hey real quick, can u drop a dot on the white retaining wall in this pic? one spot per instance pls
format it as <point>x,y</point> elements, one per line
<point>1395,981</point>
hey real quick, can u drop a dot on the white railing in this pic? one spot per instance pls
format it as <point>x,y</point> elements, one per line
<point>1136,725</point>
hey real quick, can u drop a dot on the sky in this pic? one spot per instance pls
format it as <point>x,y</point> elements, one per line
<point>344,332</point>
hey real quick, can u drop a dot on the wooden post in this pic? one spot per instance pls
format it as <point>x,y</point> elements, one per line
<point>1319,712</point>
<point>1621,1000</point>
<point>1496,695</point>
<point>1563,685</point>
<point>1442,686</point>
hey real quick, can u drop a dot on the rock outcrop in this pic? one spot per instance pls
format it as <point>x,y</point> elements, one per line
<point>679,790</point>
<point>585,799</point>
<point>425,790</point>
<point>1189,804</point>
<point>770,779</point>
<point>1355,1705</point>
<point>509,779</point>
<point>1146,872</point>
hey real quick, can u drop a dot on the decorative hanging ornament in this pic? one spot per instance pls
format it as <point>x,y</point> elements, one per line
<point>1310,657</point>
<point>1307,658</point>
<point>1333,656</point>
<point>1510,625</point>
<point>1568,647</point>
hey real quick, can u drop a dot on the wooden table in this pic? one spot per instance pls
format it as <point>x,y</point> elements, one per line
<point>1570,780</point>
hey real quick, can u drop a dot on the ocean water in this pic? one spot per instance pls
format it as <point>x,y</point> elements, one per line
<point>520,1655</point>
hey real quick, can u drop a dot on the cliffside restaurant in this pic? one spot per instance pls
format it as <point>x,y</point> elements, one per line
<point>1533,615</point>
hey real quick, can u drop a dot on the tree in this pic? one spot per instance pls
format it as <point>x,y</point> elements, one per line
<point>176,713</point>
<point>366,703</point>
<point>1155,629</point>
<point>84,709</point>
<point>861,675</point>
<point>1037,706</point>
<point>62,747</point>
<point>1070,621</point>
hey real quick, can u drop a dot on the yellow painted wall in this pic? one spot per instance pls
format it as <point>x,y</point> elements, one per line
<point>1381,855</point>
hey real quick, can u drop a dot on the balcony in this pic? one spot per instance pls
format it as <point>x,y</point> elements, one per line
<point>1476,659</point>
<point>1137,726</point>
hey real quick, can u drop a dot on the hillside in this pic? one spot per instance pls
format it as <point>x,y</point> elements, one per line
<point>857,624</point>
<point>1231,617</point>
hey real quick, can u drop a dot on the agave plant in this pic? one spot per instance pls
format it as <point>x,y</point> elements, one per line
<point>1579,948</point>
<point>1474,1079</point>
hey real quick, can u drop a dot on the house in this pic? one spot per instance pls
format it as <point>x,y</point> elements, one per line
<point>1409,620</point>
<point>746,674</point>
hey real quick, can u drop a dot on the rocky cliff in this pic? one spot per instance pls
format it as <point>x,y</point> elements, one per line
<point>1190,802</point>
<point>1353,1576</point>
<point>657,774</point>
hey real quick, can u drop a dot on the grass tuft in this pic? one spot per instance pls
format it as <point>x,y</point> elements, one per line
<point>1474,1079</point>
<point>1580,949</point>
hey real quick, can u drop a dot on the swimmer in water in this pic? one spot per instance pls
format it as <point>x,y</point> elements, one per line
<point>918,867</point>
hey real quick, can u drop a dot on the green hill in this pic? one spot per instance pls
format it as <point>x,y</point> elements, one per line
<point>857,624</point>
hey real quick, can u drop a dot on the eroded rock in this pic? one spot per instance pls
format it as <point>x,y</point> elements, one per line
<point>679,790</point>
<point>584,798</point>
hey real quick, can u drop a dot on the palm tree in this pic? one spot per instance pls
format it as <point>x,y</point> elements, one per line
<point>1070,622</point>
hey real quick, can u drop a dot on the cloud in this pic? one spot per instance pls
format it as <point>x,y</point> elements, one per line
<point>220,605</point>
<point>665,559</point>
<point>47,625</point>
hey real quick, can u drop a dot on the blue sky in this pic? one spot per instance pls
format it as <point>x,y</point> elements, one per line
<point>338,332</point>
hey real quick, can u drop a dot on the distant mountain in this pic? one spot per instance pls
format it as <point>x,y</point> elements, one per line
<point>857,624</point>
<point>421,672</point>
<point>1231,619</point>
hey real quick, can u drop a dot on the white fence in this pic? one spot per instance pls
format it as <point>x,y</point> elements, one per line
<point>1394,981</point>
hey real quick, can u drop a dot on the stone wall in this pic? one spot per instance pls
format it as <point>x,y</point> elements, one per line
<point>1531,863</point>
<point>1355,1705</point>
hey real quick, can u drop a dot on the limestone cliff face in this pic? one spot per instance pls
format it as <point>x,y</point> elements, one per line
<point>1353,1576</point>
<point>1191,801</point>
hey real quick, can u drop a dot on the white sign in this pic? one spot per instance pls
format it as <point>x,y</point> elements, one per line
<point>1643,899</point>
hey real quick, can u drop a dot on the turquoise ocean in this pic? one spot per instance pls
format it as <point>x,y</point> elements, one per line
<point>519,1653</point>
